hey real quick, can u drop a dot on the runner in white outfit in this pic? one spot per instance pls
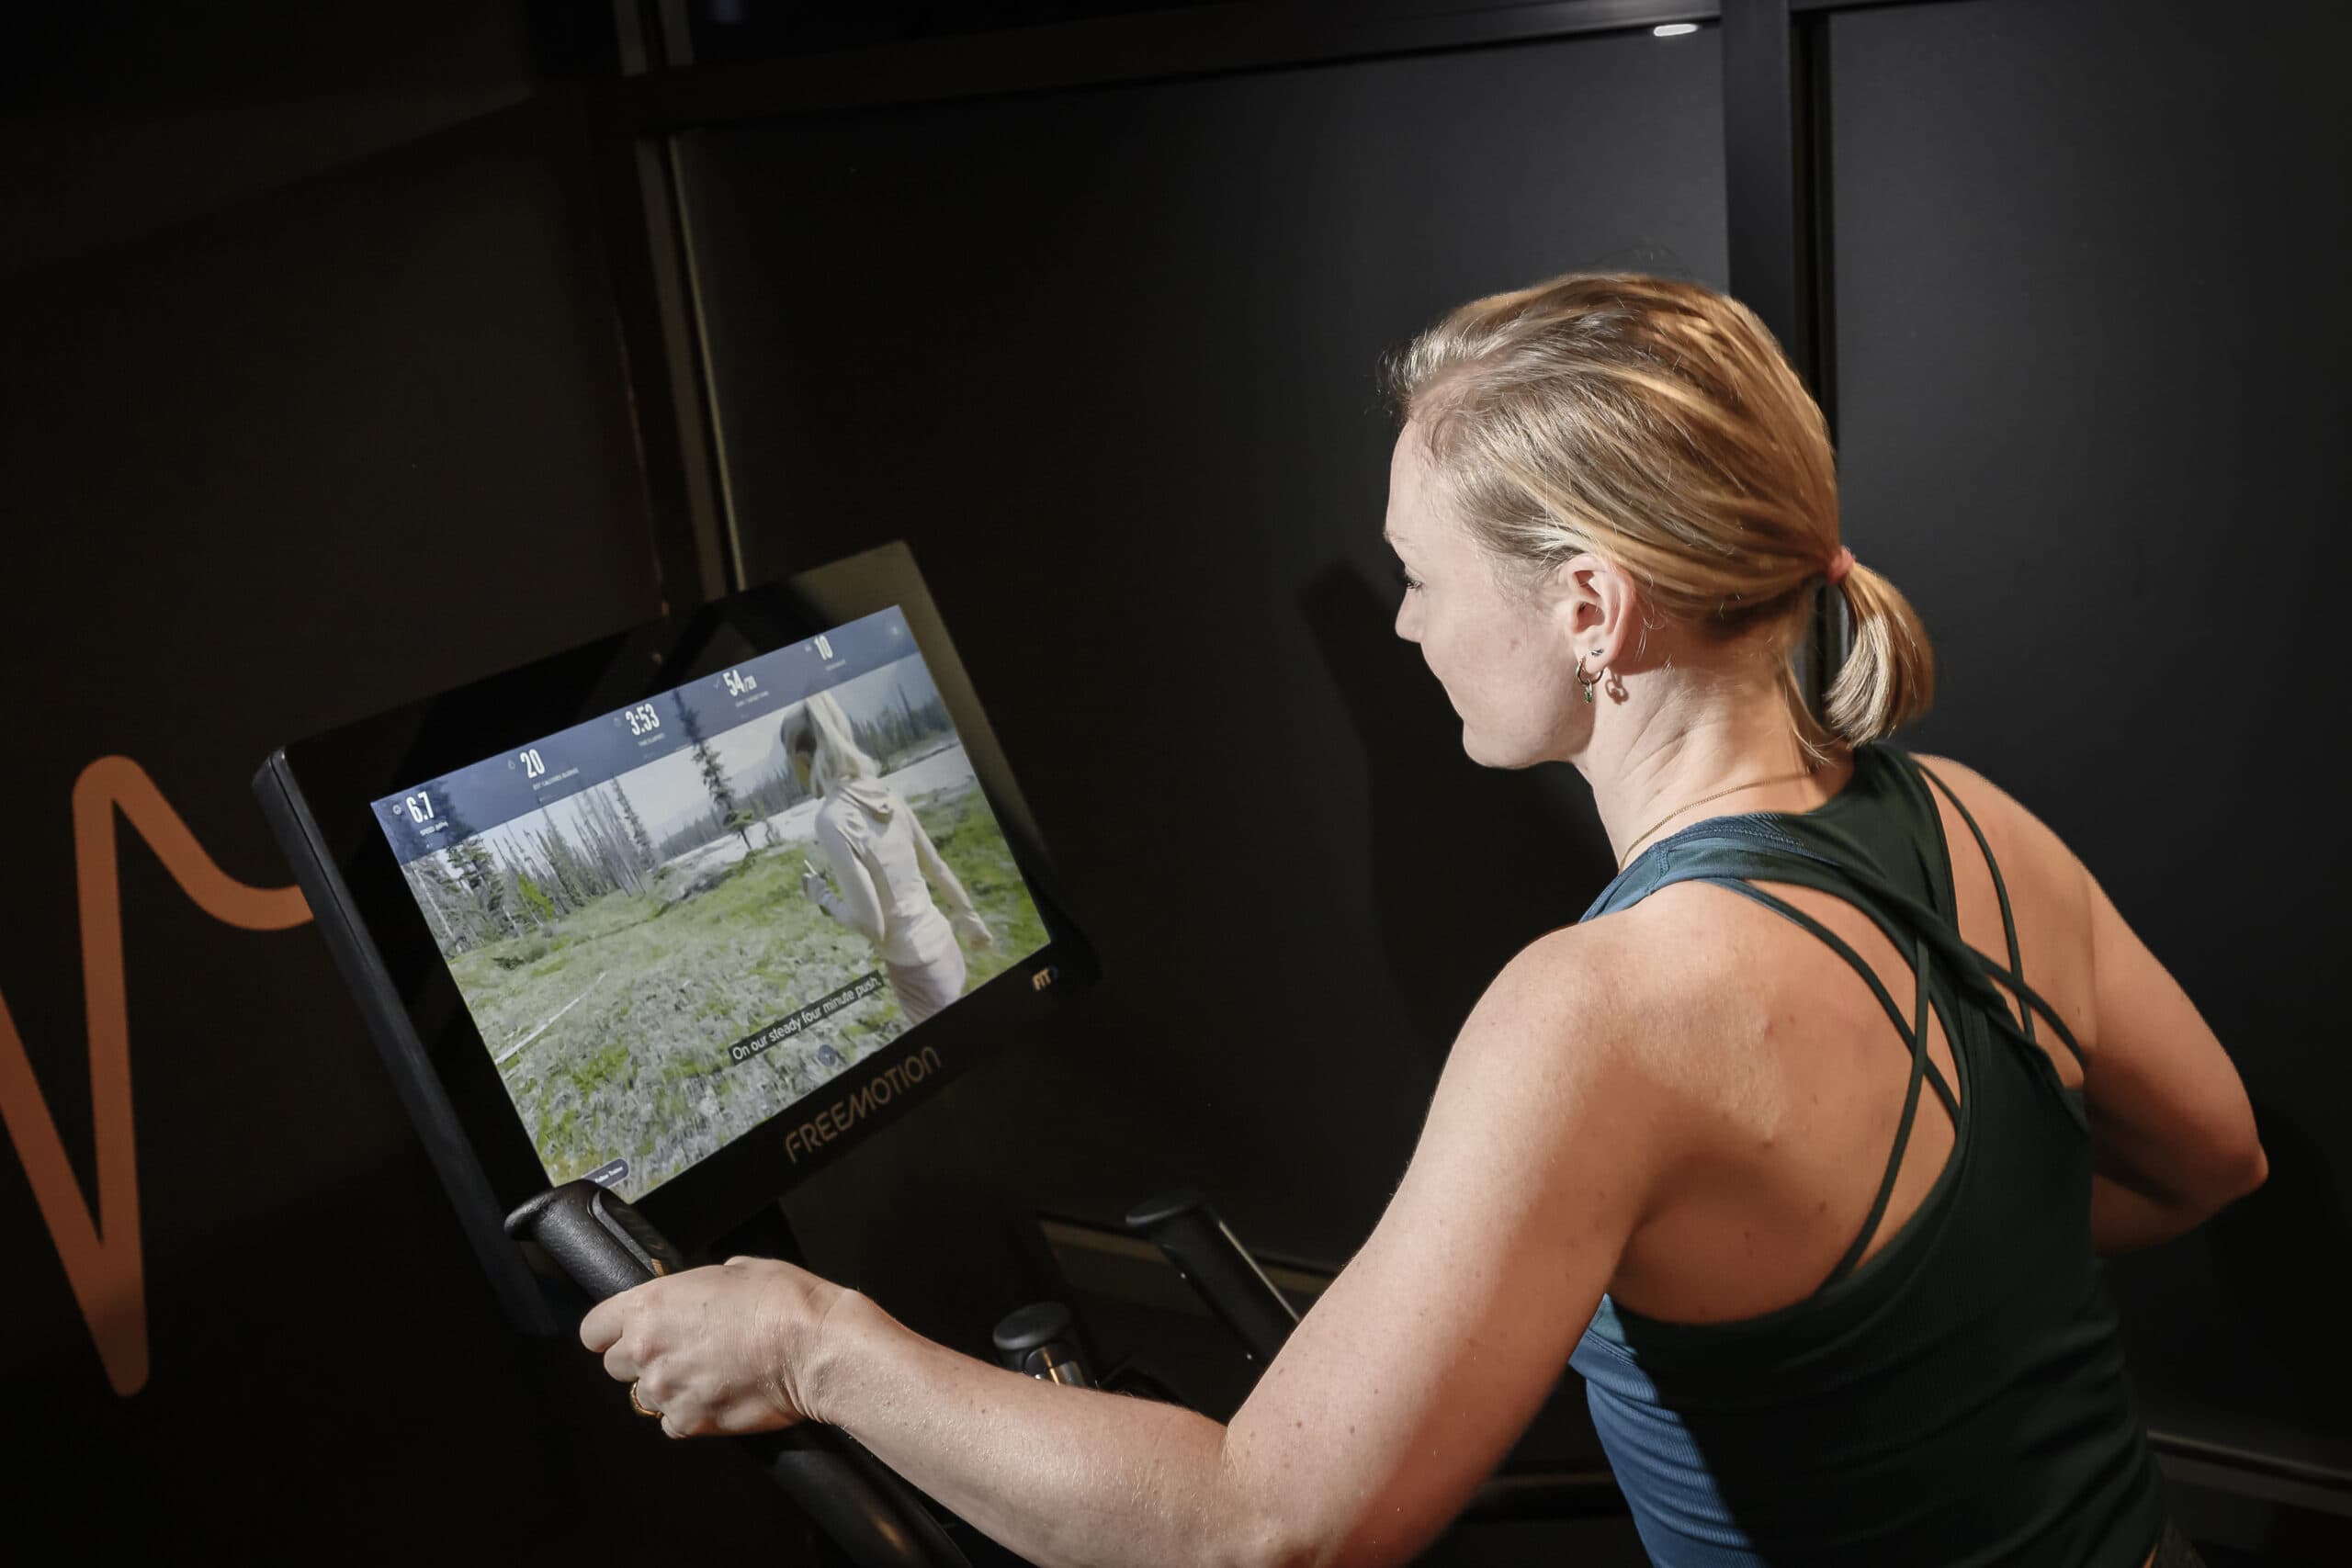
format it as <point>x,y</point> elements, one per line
<point>880,858</point>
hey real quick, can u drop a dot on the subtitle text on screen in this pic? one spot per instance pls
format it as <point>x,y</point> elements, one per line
<point>809,1013</point>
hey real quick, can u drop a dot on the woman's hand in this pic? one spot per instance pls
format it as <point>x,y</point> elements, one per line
<point>714,1350</point>
<point>973,929</point>
<point>813,886</point>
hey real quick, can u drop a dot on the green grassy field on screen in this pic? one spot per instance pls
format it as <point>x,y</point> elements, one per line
<point>614,1022</point>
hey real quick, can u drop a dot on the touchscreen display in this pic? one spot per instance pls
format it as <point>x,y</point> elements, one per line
<point>671,922</point>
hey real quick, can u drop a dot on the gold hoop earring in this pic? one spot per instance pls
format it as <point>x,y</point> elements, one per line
<point>1588,682</point>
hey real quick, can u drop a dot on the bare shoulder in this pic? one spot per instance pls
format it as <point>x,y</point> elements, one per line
<point>1555,1075</point>
<point>1988,801</point>
<point>1576,1001</point>
<point>1645,986</point>
<point>1966,782</point>
<point>1616,969</point>
<point>2022,841</point>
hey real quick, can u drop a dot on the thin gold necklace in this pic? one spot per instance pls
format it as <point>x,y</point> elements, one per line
<point>1784,778</point>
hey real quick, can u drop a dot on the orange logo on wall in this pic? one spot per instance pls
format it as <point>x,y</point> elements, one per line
<point>100,1248</point>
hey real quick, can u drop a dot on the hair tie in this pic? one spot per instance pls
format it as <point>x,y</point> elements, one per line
<point>1839,565</point>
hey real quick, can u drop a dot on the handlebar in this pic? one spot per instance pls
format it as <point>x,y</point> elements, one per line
<point>605,1247</point>
<point>1213,1260</point>
<point>1039,1340</point>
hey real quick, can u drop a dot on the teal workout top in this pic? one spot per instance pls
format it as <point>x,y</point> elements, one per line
<point>1960,1398</point>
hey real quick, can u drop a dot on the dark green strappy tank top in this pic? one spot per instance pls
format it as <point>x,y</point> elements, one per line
<point>1960,1398</point>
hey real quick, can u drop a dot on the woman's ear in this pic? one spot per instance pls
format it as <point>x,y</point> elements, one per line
<point>1594,605</point>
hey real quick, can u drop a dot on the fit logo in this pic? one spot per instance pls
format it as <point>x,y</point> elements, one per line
<point>99,1245</point>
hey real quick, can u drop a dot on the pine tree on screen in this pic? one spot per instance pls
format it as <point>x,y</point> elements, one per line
<point>429,884</point>
<point>635,826</point>
<point>613,854</point>
<point>714,777</point>
<point>479,875</point>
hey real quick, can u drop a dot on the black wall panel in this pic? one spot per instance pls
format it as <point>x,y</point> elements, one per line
<point>2090,348</point>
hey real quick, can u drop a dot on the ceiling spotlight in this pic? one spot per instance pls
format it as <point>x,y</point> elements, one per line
<point>1674,30</point>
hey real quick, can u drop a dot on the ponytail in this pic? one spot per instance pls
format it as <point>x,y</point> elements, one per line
<point>1889,676</point>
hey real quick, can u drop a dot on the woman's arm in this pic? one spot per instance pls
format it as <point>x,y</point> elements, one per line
<point>2173,1138</point>
<point>857,906</point>
<point>934,866</point>
<point>1058,1475</point>
<point>1402,1389</point>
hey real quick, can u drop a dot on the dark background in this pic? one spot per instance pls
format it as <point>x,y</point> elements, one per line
<point>330,382</point>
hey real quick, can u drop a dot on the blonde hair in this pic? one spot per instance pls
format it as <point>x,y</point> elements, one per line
<point>820,728</point>
<point>1656,423</point>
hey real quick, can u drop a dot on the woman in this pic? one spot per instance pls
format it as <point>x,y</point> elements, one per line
<point>1801,1144</point>
<point>881,856</point>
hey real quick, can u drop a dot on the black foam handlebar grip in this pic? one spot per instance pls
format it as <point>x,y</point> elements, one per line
<point>874,1517</point>
<point>605,1247</point>
<point>1216,1265</point>
<point>602,1244</point>
<point>1039,1340</point>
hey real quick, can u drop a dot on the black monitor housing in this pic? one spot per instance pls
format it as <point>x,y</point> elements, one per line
<point>326,798</point>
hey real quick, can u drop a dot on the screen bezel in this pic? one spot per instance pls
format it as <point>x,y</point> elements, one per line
<point>340,775</point>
